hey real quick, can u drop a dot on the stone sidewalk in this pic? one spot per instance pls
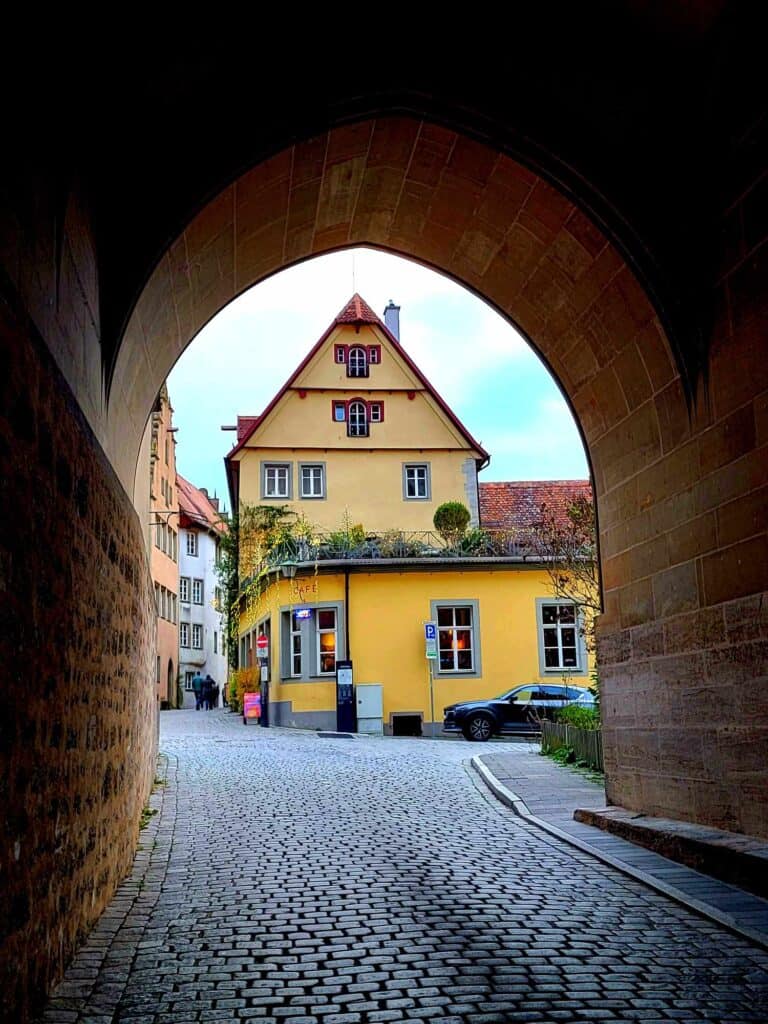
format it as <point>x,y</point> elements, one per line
<point>546,794</point>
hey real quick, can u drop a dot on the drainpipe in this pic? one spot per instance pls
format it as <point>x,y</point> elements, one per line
<point>348,652</point>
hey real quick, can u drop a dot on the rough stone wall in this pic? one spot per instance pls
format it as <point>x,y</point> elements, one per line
<point>684,650</point>
<point>78,727</point>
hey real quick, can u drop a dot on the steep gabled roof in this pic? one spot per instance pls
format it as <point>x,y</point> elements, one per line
<point>356,311</point>
<point>516,504</point>
<point>196,508</point>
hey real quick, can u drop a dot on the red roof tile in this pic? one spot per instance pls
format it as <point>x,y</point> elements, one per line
<point>516,504</point>
<point>196,508</point>
<point>357,311</point>
<point>245,425</point>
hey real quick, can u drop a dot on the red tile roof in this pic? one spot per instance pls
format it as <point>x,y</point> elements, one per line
<point>357,311</point>
<point>516,504</point>
<point>196,508</point>
<point>245,425</point>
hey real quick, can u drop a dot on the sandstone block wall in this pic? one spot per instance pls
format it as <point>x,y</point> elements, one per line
<point>684,649</point>
<point>78,725</point>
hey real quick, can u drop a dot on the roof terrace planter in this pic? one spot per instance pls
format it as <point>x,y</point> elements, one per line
<point>398,547</point>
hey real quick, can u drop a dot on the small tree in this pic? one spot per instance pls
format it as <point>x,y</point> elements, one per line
<point>451,521</point>
<point>567,544</point>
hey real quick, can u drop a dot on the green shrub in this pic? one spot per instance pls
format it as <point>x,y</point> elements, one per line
<point>579,717</point>
<point>451,520</point>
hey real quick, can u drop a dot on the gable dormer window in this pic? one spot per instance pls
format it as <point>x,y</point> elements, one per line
<point>357,423</point>
<point>341,353</point>
<point>357,362</point>
<point>374,354</point>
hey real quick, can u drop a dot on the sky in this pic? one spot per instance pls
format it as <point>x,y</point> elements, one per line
<point>486,372</point>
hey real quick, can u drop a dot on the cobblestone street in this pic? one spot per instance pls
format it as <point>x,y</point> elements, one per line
<point>292,878</point>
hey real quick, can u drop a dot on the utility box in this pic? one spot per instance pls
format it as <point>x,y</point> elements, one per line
<point>370,708</point>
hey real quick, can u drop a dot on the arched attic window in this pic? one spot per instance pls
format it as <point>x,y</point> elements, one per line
<point>357,362</point>
<point>357,422</point>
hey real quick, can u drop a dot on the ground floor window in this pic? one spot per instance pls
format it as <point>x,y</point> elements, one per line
<point>561,646</point>
<point>310,642</point>
<point>188,680</point>
<point>458,637</point>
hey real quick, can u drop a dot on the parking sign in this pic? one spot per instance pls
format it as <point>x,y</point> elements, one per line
<point>430,638</point>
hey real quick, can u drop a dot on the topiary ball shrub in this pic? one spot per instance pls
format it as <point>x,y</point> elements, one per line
<point>451,520</point>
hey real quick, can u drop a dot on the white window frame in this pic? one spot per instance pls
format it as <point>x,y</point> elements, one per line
<point>303,664</point>
<point>197,636</point>
<point>188,676</point>
<point>192,548</point>
<point>324,632</point>
<point>198,594</point>
<point>475,672</point>
<point>556,630</point>
<point>296,633</point>
<point>184,589</point>
<point>357,361</point>
<point>183,634</point>
<point>418,474</point>
<point>274,473</point>
<point>376,412</point>
<point>357,419</point>
<point>314,492</point>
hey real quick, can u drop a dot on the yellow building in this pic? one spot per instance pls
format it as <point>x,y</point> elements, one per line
<point>362,450</point>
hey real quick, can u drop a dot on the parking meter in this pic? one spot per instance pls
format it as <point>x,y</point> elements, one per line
<point>346,715</point>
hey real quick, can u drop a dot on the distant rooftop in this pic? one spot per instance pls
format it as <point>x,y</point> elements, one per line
<point>516,504</point>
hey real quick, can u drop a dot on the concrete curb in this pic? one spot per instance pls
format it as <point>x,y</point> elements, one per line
<point>519,807</point>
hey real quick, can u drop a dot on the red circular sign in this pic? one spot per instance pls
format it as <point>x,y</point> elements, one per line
<point>262,641</point>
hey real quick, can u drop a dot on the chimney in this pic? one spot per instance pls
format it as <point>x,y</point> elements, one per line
<point>204,490</point>
<point>392,319</point>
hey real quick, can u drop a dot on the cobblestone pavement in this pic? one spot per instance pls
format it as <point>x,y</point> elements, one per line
<point>289,878</point>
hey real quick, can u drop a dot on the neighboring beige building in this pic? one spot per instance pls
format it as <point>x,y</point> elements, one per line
<point>164,550</point>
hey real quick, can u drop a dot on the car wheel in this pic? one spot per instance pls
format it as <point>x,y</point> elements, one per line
<point>478,728</point>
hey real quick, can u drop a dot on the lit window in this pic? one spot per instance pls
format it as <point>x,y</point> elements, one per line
<point>184,589</point>
<point>276,481</point>
<point>310,638</point>
<point>377,412</point>
<point>357,363</point>
<point>312,481</point>
<point>197,591</point>
<point>559,636</point>
<point>456,638</point>
<point>416,481</point>
<point>358,420</point>
<point>326,641</point>
<point>184,634</point>
<point>197,636</point>
<point>192,544</point>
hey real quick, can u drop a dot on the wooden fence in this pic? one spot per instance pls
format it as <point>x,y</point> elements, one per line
<point>586,744</point>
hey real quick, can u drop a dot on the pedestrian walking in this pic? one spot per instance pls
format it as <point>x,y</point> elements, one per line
<point>206,693</point>
<point>197,687</point>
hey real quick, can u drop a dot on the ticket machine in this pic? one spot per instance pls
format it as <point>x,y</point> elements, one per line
<point>346,718</point>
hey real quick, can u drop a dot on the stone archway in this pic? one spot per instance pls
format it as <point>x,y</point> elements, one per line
<point>679,473</point>
<point>447,201</point>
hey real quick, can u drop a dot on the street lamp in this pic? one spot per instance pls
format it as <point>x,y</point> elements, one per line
<point>288,569</point>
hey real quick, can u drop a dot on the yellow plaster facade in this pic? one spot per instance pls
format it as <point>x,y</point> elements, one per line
<point>384,616</point>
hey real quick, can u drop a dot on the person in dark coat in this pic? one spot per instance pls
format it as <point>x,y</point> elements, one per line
<point>206,693</point>
<point>197,687</point>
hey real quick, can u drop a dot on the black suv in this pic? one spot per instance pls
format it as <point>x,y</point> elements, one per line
<point>517,711</point>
